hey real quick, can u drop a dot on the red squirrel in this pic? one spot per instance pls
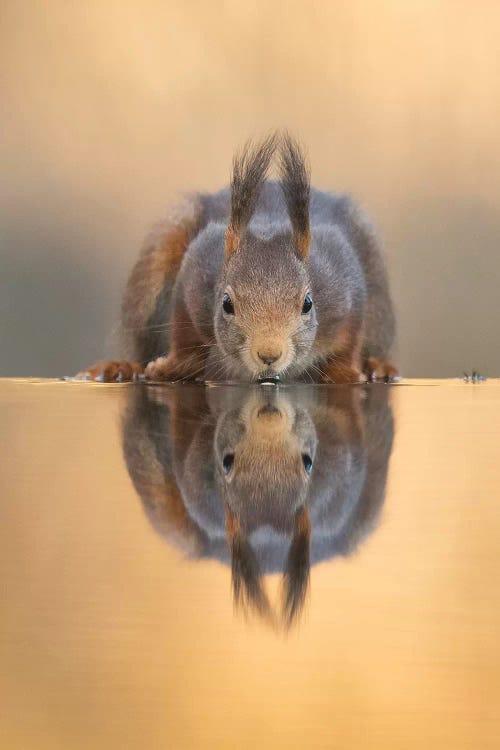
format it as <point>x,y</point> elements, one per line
<point>265,279</point>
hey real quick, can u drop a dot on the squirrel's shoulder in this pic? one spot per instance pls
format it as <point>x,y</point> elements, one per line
<point>207,214</point>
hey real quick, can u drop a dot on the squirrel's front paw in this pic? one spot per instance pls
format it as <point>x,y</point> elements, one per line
<point>162,368</point>
<point>380,369</point>
<point>112,372</point>
<point>341,373</point>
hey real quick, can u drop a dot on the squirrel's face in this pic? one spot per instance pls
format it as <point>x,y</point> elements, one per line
<point>265,318</point>
<point>265,455</point>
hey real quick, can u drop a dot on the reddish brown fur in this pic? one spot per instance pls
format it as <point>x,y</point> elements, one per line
<point>158,264</point>
<point>158,489</point>
<point>380,369</point>
<point>112,371</point>
<point>343,355</point>
<point>232,240</point>
<point>303,242</point>
<point>167,506</point>
<point>303,523</point>
<point>233,526</point>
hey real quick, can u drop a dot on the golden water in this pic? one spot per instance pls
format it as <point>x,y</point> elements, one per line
<point>118,623</point>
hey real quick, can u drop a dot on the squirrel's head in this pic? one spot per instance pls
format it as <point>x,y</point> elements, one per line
<point>265,318</point>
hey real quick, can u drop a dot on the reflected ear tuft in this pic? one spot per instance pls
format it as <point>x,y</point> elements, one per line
<point>248,591</point>
<point>296,578</point>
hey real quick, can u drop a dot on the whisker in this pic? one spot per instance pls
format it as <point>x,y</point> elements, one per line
<point>159,326</point>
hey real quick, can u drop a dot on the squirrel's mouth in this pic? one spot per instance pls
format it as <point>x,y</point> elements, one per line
<point>271,379</point>
<point>268,376</point>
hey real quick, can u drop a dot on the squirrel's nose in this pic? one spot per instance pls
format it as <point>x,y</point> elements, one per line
<point>268,358</point>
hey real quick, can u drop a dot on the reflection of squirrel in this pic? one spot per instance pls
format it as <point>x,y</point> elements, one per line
<point>259,280</point>
<point>261,479</point>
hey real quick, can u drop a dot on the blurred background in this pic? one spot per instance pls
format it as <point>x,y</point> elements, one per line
<point>110,108</point>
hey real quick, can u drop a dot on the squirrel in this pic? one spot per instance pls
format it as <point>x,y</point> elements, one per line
<point>265,279</point>
<point>261,479</point>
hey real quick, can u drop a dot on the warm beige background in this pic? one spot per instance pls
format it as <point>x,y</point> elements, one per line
<point>111,107</point>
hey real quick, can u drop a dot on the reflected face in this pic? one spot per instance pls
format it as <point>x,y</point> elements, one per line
<point>265,456</point>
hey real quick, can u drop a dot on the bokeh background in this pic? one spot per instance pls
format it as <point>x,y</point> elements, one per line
<point>110,108</point>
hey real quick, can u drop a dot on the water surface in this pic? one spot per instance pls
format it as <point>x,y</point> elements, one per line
<point>223,567</point>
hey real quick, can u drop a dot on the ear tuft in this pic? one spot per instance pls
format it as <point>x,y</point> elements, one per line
<point>296,186</point>
<point>250,168</point>
<point>232,240</point>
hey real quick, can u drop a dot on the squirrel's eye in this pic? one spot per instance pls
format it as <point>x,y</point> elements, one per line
<point>307,461</point>
<point>308,303</point>
<point>227,304</point>
<point>227,463</point>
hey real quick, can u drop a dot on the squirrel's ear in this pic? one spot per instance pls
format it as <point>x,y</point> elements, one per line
<point>296,186</point>
<point>249,172</point>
